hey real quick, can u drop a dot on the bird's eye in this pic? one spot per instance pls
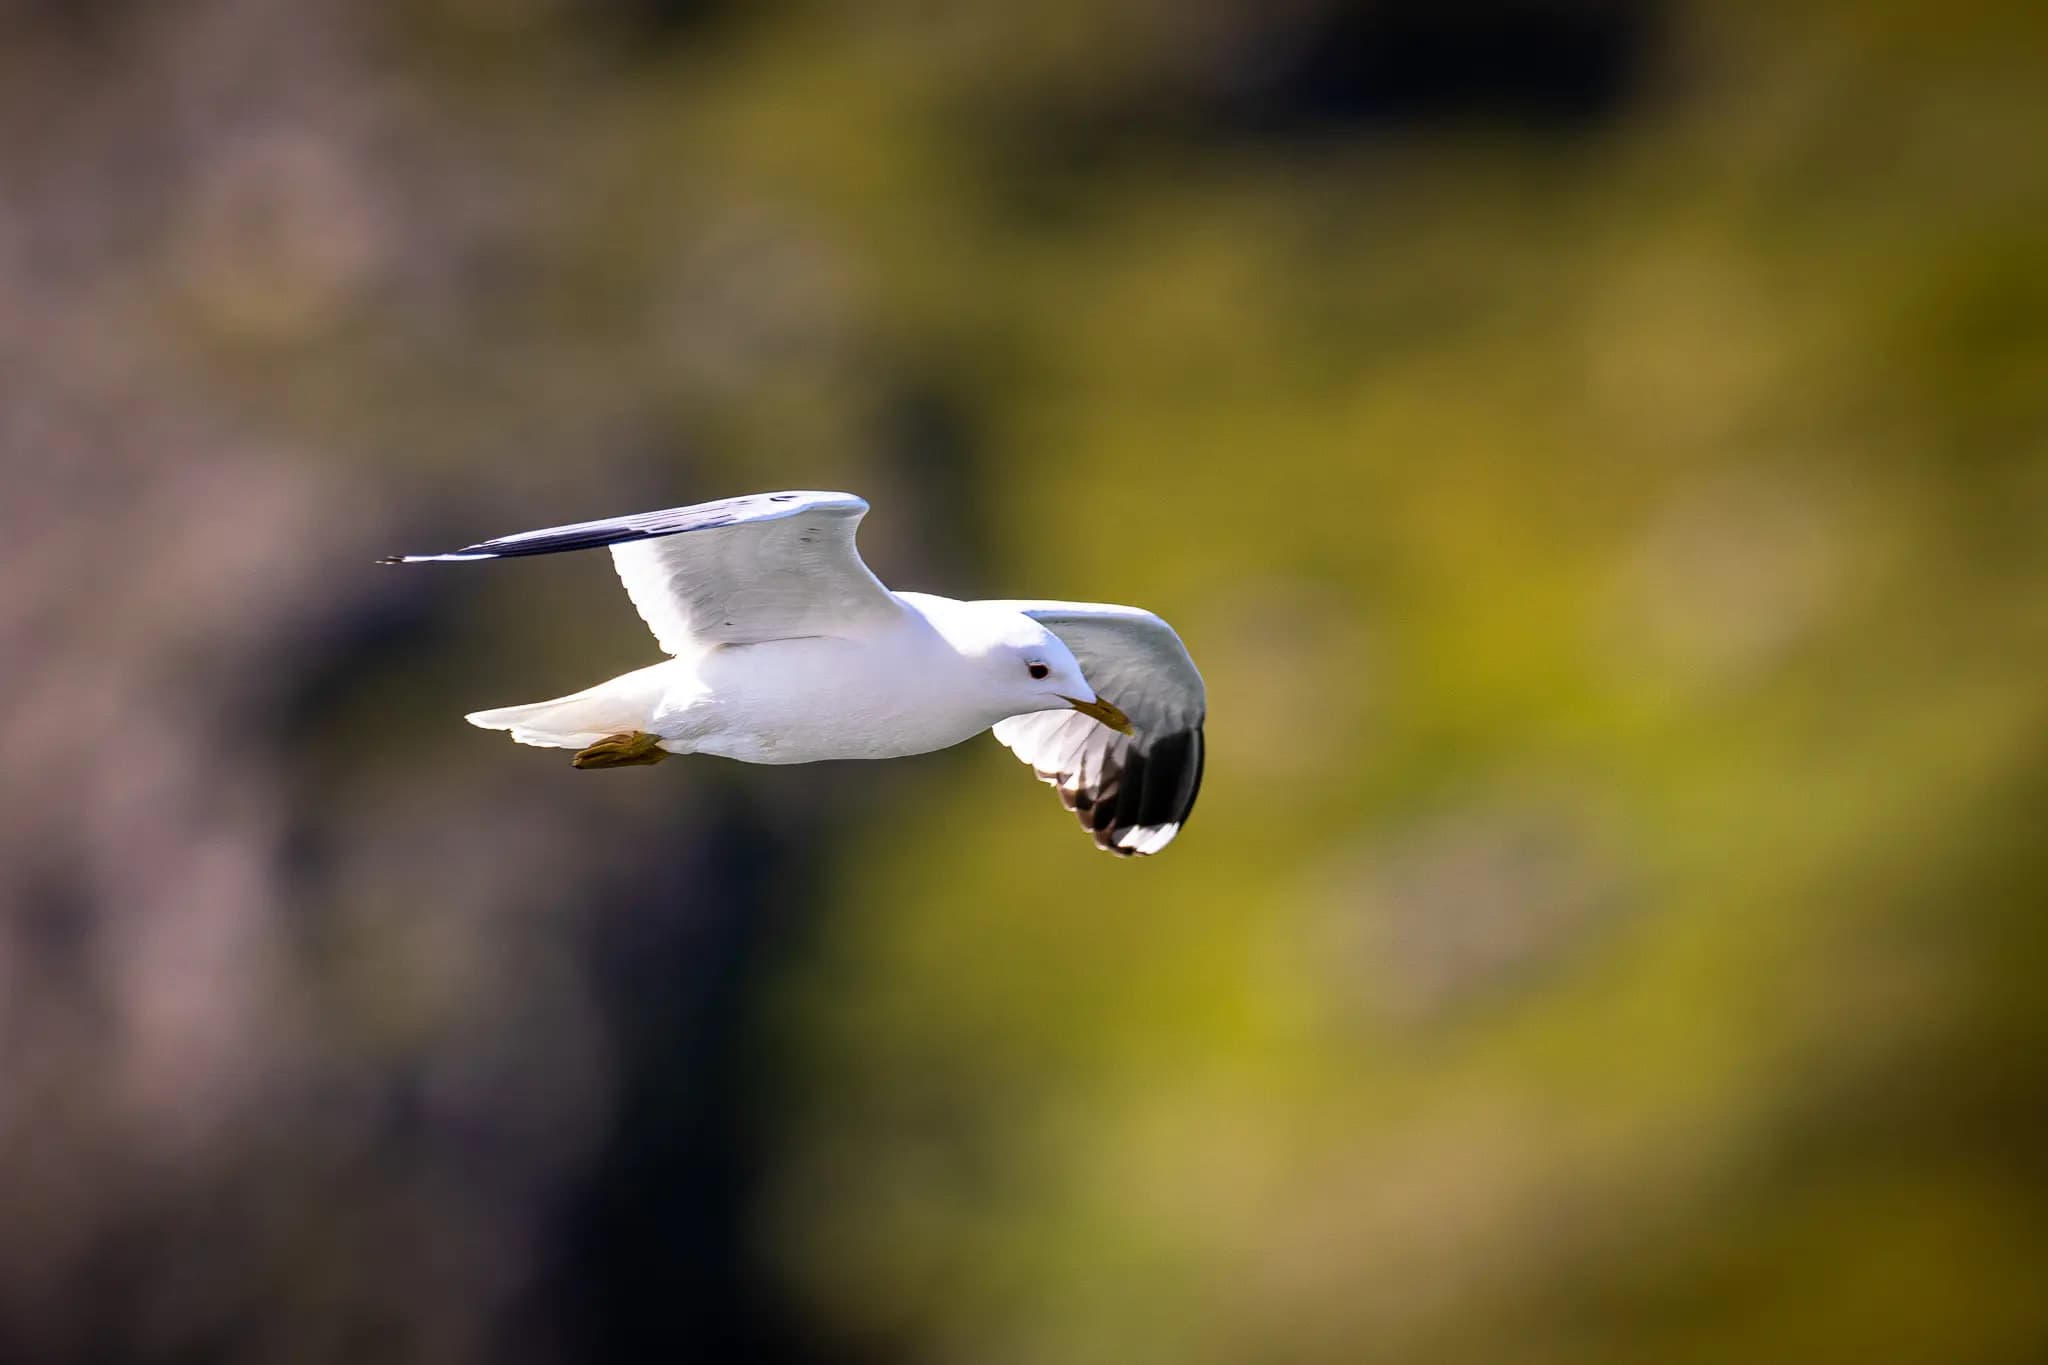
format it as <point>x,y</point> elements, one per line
<point>1040,671</point>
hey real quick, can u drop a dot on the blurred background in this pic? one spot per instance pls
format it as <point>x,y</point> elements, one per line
<point>1596,449</point>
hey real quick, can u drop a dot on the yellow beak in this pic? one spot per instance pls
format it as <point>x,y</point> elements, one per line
<point>1102,711</point>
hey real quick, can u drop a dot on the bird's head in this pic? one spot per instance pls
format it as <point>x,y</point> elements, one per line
<point>1029,668</point>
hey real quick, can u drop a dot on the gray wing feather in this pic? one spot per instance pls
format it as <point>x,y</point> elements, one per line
<point>1131,792</point>
<point>769,566</point>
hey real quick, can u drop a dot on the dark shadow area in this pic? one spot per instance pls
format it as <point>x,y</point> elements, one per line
<point>652,1254</point>
<point>1389,63</point>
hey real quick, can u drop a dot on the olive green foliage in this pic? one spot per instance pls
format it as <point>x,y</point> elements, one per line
<point>1616,559</point>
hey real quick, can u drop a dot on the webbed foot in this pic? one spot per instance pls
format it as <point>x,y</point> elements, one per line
<point>628,750</point>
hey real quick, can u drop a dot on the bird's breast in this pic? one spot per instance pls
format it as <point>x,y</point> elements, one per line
<point>801,701</point>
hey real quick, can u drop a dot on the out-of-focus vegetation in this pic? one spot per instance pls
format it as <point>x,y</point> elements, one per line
<point>1598,453</point>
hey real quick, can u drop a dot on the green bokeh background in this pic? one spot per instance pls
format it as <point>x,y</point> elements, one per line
<point>1613,540</point>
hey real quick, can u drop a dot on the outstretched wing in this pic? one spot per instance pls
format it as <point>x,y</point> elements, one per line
<point>771,566</point>
<point>1132,792</point>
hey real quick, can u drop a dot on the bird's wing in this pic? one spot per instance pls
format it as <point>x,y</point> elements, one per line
<point>771,566</point>
<point>1132,792</point>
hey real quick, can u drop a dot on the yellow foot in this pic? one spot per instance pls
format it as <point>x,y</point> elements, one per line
<point>622,751</point>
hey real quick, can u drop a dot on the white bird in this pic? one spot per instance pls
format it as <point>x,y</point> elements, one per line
<point>785,648</point>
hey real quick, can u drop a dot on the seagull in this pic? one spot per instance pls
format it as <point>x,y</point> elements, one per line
<point>785,648</point>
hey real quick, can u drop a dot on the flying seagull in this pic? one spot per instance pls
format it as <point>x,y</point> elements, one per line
<point>785,648</point>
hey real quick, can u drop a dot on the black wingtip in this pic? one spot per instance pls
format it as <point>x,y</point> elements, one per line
<point>391,559</point>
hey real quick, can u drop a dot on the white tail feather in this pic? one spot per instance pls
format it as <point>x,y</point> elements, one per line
<point>624,704</point>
